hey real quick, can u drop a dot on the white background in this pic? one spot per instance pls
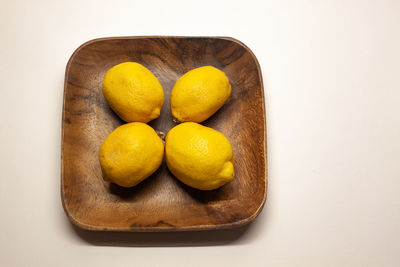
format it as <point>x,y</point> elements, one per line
<point>332,80</point>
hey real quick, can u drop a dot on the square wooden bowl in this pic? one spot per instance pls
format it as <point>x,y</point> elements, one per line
<point>161,202</point>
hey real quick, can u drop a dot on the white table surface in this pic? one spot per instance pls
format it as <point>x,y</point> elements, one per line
<point>332,81</point>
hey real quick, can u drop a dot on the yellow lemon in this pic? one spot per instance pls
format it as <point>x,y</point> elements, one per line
<point>130,154</point>
<point>133,92</point>
<point>199,93</point>
<point>199,156</point>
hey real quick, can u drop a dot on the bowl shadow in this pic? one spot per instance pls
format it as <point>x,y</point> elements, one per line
<point>162,239</point>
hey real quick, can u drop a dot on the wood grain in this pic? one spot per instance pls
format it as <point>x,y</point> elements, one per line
<point>161,202</point>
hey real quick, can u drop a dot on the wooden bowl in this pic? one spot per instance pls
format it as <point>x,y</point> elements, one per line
<point>161,202</point>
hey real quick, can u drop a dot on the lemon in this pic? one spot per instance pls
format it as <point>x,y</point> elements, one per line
<point>130,154</point>
<point>199,156</point>
<point>199,93</point>
<point>133,92</point>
